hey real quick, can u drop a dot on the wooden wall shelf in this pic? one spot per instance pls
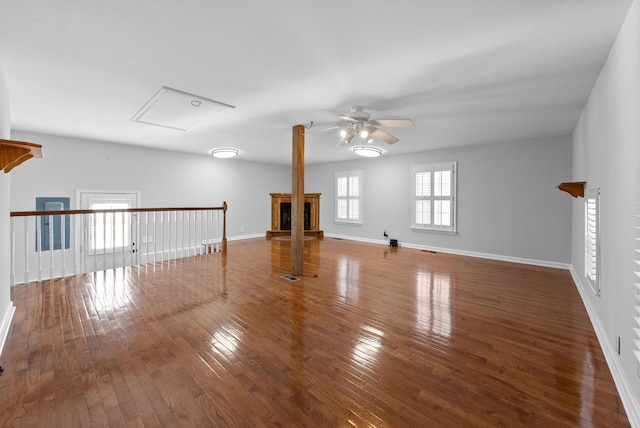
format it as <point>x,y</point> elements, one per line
<point>574,188</point>
<point>13,153</point>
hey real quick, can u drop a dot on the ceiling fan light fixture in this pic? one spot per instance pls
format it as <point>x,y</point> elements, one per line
<point>357,123</point>
<point>350,137</point>
<point>367,151</point>
<point>224,153</point>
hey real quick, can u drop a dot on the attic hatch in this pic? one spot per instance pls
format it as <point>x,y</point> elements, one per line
<point>171,108</point>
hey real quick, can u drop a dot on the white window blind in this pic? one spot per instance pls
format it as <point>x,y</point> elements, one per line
<point>348,197</point>
<point>433,196</point>
<point>592,238</point>
<point>636,282</point>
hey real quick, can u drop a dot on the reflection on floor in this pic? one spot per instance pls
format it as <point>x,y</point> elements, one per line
<point>368,336</point>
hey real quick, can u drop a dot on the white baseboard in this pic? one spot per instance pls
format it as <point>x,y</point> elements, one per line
<point>534,262</point>
<point>241,237</point>
<point>631,405</point>
<point>354,238</point>
<point>6,324</point>
<point>171,254</point>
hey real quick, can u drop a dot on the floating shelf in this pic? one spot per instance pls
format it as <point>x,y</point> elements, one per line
<point>13,153</point>
<point>574,188</point>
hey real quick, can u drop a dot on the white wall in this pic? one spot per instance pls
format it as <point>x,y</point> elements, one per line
<point>508,206</point>
<point>164,178</point>
<point>6,306</point>
<point>607,154</point>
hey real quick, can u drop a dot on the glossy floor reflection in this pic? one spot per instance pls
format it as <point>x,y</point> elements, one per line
<point>369,336</point>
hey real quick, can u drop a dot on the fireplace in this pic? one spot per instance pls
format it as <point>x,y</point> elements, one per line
<point>281,215</point>
<point>285,216</point>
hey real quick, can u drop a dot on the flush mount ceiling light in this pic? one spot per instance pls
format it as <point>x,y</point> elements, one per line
<point>171,108</point>
<point>367,151</point>
<point>224,153</point>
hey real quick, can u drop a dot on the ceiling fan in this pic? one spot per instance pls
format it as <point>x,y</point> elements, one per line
<point>358,123</point>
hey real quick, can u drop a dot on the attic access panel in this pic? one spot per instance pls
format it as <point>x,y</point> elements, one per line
<point>175,109</point>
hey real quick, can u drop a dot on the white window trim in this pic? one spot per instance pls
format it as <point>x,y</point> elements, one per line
<point>343,174</point>
<point>592,238</point>
<point>440,166</point>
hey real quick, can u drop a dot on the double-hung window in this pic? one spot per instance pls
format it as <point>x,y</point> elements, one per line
<point>349,197</point>
<point>433,199</point>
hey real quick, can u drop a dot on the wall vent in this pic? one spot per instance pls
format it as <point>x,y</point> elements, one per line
<point>171,108</point>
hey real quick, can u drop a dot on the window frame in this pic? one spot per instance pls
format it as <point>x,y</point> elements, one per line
<point>451,166</point>
<point>348,198</point>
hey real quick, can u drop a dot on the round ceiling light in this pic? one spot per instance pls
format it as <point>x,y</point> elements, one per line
<point>224,153</point>
<point>367,151</point>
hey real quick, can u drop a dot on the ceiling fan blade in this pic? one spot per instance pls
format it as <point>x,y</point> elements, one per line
<point>392,122</point>
<point>348,119</point>
<point>387,138</point>
<point>328,128</point>
<point>347,138</point>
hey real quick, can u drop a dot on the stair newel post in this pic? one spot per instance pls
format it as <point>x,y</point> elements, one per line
<point>224,226</point>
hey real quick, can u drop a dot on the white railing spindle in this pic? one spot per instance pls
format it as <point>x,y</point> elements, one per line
<point>38,247</point>
<point>72,241</point>
<point>113,240</point>
<point>50,217</point>
<point>12,233</point>
<point>155,238</point>
<point>63,246</point>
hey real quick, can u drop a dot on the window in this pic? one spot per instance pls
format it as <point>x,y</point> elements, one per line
<point>108,232</point>
<point>433,196</point>
<point>349,197</point>
<point>592,238</point>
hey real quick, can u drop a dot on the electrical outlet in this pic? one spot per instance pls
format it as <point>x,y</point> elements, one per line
<point>618,345</point>
<point>385,234</point>
<point>241,228</point>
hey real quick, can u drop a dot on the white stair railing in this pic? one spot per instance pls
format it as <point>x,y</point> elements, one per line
<point>52,244</point>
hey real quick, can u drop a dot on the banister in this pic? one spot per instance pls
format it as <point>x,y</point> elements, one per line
<point>78,212</point>
<point>131,210</point>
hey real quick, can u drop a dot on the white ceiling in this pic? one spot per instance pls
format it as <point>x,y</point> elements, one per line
<point>466,71</point>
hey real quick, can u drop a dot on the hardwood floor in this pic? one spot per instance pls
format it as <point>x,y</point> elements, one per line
<point>370,336</point>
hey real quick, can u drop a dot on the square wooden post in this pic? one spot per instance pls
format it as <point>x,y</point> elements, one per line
<point>297,202</point>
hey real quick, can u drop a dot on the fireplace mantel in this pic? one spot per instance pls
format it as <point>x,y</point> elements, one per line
<point>281,215</point>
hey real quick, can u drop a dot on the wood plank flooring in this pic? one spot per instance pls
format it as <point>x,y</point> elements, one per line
<point>368,337</point>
